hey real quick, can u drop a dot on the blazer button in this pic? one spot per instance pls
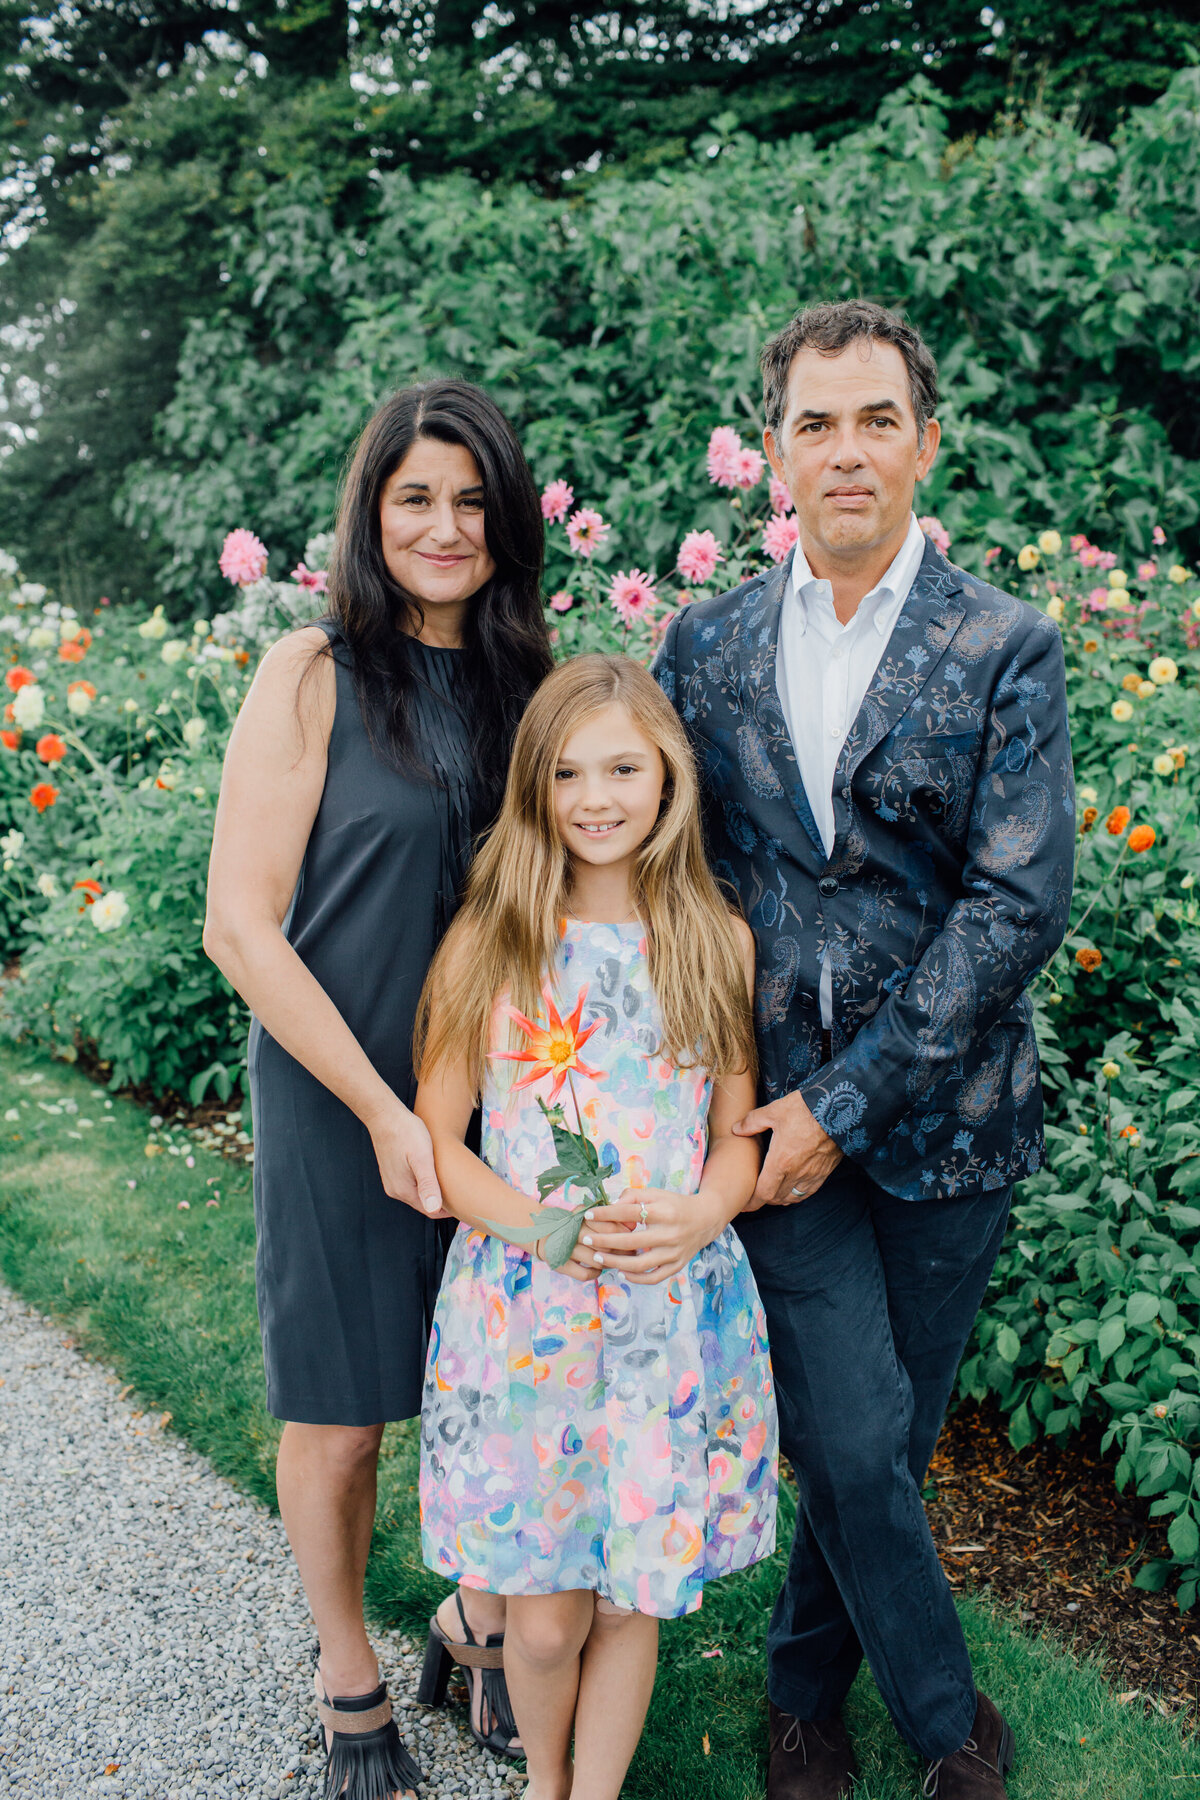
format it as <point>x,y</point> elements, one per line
<point>828,886</point>
<point>807,1001</point>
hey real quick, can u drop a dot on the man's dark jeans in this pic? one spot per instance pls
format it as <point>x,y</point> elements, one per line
<point>869,1303</point>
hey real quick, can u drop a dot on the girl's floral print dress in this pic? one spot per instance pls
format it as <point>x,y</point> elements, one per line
<point>597,1434</point>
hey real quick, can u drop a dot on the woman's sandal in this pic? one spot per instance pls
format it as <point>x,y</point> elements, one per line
<point>366,1757</point>
<point>487,1660</point>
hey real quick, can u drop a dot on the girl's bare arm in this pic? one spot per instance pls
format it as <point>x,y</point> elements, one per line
<point>470,1190</point>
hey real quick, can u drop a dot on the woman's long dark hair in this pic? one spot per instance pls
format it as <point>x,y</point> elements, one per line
<point>506,644</point>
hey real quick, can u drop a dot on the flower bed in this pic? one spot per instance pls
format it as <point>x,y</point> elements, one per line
<point>109,767</point>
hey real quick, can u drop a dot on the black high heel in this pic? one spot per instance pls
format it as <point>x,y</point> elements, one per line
<point>483,1662</point>
<point>366,1758</point>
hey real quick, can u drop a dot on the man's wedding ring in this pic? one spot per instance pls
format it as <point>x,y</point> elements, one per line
<point>799,1192</point>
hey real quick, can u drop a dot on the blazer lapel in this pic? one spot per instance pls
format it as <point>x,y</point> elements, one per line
<point>762,712</point>
<point>930,616</point>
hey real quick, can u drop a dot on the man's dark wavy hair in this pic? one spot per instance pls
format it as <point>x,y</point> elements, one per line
<point>830,329</point>
<point>506,644</point>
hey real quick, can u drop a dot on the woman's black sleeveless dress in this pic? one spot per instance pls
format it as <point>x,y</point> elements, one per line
<point>346,1276</point>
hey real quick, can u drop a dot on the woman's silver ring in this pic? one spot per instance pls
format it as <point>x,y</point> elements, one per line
<point>643,1216</point>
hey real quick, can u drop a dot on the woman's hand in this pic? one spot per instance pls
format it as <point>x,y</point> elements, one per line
<point>677,1228</point>
<point>404,1152</point>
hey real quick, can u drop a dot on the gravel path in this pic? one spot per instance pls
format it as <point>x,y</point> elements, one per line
<point>154,1638</point>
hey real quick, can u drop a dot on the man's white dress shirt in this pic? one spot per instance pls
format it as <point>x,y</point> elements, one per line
<point>823,670</point>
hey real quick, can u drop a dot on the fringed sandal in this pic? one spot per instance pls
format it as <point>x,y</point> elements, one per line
<point>367,1758</point>
<point>483,1662</point>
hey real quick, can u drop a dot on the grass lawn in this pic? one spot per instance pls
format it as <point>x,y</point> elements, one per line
<point>93,1230</point>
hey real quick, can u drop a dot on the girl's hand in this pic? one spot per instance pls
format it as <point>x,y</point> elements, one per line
<point>677,1228</point>
<point>404,1152</point>
<point>575,1266</point>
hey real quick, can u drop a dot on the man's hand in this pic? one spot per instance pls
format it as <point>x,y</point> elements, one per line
<point>800,1156</point>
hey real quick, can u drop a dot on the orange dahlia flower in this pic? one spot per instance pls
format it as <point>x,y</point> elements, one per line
<point>72,651</point>
<point>82,687</point>
<point>1090,815</point>
<point>1088,959</point>
<point>50,749</point>
<point>1118,819</point>
<point>1141,838</point>
<point>42,796</point>
<point>19,677</point>
<point>91,891</point>
<point>10,739</point>
<point>554,1047</point>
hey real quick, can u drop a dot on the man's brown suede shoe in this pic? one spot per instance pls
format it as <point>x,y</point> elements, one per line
<point>809,1760</point>
<point>977,1771</point>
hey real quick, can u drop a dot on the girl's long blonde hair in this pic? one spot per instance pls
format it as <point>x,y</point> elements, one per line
<point>504,937</point>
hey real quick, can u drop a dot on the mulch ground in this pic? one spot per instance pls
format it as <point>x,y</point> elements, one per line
<point>1045,1531</point>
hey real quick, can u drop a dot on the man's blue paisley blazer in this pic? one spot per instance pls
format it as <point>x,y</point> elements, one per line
<point>948,887</point>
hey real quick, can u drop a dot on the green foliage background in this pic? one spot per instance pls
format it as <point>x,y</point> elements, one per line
<point>210,282</point>
<point>1058,280</point>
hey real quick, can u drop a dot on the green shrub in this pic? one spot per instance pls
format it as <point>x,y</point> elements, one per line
<point>1056,278</point>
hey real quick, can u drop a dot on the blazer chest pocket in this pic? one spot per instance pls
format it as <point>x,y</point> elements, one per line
<point>931,775</point>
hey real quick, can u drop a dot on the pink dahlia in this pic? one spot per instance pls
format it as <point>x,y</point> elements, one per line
<point>243,558</point>
<point>1159,536</point>
<point>698,556</point>
<point>936,531</point>
<point>724,448</point>
<point>779,534</point>
<point>1088,554</point>
<point>315,579</point>
<point>1079,542</point>
<point>749,468</point>
<point>991,555</point>
<point>632,595</point>
<point>1098,599</point>
<point>562,601</point>
<point>586,530</point>
<point>557,501</point>
<point>1147,571</point>
<point>781,499</point>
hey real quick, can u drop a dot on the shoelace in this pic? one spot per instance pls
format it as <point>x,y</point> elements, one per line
<point>929,1790</point>
<point>793,1739</point>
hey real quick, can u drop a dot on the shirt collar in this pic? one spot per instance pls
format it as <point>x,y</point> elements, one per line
<point>882,606</point>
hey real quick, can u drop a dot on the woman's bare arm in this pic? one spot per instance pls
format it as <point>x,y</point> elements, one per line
<point>274,776</point>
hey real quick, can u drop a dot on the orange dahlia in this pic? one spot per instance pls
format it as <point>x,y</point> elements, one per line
<point>10,739</point>
<point>1118,819</point>
<point>554,1047</point>
<point>1141,838</point>
<point>42,796</point>
<point>18,678</point>
<point>50,749</point>
<point>1088,959</point>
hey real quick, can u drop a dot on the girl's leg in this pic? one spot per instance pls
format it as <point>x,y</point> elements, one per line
<point>325,1478</point>
<point>615,1684</point>
<point>542,1641</point>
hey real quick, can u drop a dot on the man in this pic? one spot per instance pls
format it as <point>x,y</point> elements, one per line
<point>883,740</point>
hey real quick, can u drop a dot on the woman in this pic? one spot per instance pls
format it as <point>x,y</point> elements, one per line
<point>370,749</point>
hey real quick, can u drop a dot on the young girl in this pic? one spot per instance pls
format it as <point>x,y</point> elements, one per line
<point>598,1437</point>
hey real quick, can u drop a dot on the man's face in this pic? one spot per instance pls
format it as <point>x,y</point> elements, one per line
<point>848,450</point>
